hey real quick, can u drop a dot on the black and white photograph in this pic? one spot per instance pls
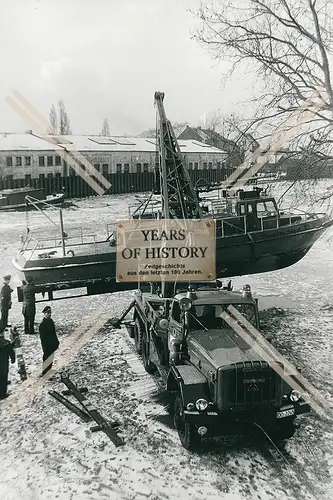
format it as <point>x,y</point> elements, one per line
<point>166,250</point>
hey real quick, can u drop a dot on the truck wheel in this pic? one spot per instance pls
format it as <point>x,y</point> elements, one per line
<point>148,365</point>
<point>286,431</point>
<point>186,432</point>
<point>138,336</point>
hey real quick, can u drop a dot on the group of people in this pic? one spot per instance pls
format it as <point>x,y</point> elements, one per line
<point>47,332</point>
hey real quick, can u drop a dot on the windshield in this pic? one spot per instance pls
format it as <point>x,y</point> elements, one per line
<point>208,316</point>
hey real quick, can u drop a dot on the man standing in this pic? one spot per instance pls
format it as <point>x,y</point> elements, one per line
<point>49,340</point>
<point>29,306</point>
<point>6,352</point>
<point>6,299</point>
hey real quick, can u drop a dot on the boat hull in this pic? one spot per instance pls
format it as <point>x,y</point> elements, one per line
<point>22,207</point>
<point>251,253</point>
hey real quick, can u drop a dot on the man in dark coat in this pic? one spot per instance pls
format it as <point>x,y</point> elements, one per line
<point>49,340</point>
<point>6,352</point>
<point>6,300</point>
<point>29,306</point>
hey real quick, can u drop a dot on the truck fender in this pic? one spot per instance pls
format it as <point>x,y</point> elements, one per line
<point>190,382</point>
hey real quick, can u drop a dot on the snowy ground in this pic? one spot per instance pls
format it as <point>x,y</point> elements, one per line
<point>47,452</point>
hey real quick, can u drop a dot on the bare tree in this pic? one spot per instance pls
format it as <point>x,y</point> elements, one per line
<point>53,128</point>
<point>287,43</point>
<point>151,132</point>
<point>105,129</point>
<point>64,124</point>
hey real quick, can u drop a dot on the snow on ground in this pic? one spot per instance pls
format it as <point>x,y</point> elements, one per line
<point>47,452</point>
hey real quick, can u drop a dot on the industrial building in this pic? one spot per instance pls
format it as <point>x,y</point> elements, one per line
<point>29,156</point>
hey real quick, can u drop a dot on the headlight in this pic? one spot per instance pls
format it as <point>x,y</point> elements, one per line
<point>201,404</point>
<point>190,406</point>
<point>295,396</point>
<point>185,304</point>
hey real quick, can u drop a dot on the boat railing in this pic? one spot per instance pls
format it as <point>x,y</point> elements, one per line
<point>35,244</point>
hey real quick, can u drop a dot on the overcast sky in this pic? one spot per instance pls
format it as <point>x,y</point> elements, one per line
<point>105,59</point>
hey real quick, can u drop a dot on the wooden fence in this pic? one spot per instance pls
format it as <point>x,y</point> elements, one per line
<point>76,187</point>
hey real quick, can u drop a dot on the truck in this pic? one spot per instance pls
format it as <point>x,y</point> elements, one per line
<point>218,382</point>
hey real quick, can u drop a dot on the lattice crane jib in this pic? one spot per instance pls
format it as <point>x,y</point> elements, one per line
<point>179,199</point>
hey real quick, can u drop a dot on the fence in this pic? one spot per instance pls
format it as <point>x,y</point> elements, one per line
<point>76,187</point>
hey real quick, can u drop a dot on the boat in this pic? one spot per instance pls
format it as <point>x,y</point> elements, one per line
<point>252,236</point>
<point>16,199</point>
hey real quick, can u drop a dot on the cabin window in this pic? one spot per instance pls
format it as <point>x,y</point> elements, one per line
<point>176,312</point>
<point>57,161</point>
<point>50,161</point>
<point>266,208</point>
<point>145,167</point>
<point>105,169</point>
<point>250,208</point>
<point>118,168</point>
<point>242,210</point>
<point>126,167</point>
<point>248,311</point>
<point>27,160</point>
<point>41,161</point>
<point>138,168</point>
<point>9,161</point>
<point>18,161</point>
<point>190,166</point>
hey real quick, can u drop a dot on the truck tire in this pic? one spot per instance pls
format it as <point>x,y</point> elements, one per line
<point>138,335</point>
<point>188,436</point>
<point>148,365</point>
<point>286,431</point>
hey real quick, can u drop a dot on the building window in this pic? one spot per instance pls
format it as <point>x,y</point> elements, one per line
<point>41,160</point>
<point>118,168</point>
<point>18,161</point>
<point>50,175</point>
<point>58,174</point>
<point>50,161</point>
<point>72,172</point>
<point>218,165</point>
<point>57,161</point>
<point>105,169</point>
<point>9,177</point>
<point>196,166</point>
<point>190,166</point>
<point>145,167</point>
<point>27,177</point>
<point>97,166</point>
<point>9,161</point>
<point>210,165</point>
<point>138,168</point>
<point>126,167</point>
<point>42,176</point>
<point>27,161</point>
<point>205,165</point>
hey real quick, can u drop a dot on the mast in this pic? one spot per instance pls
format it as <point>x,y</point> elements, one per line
<point>179,199</point>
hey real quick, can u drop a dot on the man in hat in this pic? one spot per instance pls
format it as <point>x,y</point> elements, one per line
<point>6,352</point>
<point>29,305</point>
<point>6,299</point>
<point>49,339</point>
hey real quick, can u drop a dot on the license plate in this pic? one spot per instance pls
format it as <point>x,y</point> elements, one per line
<point>285,413</point>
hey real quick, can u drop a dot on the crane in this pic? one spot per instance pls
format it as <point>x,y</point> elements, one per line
<point>179,198</point>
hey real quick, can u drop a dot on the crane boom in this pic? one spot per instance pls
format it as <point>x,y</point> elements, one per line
<point>179,199</point>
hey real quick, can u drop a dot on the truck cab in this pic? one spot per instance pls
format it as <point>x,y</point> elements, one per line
<point>219,382</point>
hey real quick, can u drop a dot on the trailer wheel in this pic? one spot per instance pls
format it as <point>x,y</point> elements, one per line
<point>148,365</point>
<point>138,335</point>
<point>186,432</point>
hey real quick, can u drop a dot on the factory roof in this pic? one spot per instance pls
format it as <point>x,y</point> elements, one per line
<point>32,142</point>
